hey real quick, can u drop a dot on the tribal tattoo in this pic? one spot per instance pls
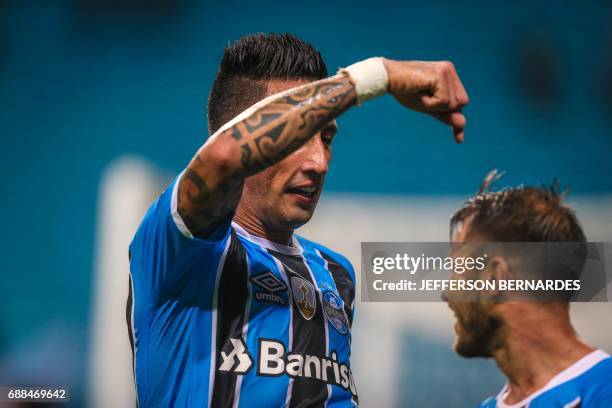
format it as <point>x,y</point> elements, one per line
<point>277,129</point>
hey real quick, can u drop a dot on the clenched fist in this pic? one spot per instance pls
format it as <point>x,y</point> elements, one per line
<point>430,87</point>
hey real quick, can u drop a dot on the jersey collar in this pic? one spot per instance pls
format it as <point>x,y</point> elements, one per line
<point>294,249</point>
<point>579,367</point>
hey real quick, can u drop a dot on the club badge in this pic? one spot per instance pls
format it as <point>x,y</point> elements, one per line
<point>304,297</point>
<point>333,307</point>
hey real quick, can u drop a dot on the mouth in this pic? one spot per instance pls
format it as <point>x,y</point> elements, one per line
<point>305,193</point>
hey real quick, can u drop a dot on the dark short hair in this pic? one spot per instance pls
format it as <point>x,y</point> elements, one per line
<point>519,214</point>
<point>249,63</point>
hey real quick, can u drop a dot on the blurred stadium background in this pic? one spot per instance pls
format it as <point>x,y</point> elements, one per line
<point>102,102</point>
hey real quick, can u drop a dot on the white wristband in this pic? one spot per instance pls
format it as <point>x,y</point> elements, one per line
<point>369,77</point>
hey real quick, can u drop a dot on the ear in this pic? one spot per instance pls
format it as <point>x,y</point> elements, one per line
<point>497,269</point>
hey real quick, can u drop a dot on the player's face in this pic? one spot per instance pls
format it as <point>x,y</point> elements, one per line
<point>286,194</point>
<point>476,327</point>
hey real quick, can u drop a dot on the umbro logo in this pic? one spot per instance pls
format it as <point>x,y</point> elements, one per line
<point>269,282</point>
<point>272,285</point>
<point>238,360</point>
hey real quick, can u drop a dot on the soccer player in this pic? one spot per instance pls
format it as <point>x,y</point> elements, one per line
<point>228,307</point>
<point>533,343</point>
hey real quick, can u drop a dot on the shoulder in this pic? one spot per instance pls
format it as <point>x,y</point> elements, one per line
<point>598,382</point>
<point>601,371</point>
<point>605,365</point>
<point>157,215</point>
<point>328,254</point>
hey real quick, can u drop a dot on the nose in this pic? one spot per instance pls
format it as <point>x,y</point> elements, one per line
<point>316,156</point>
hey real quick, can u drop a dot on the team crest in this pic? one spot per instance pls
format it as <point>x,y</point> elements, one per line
<point>304,297</point>
<point>333,307</point>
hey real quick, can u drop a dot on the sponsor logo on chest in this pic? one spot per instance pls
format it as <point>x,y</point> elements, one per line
<point>274,360</point>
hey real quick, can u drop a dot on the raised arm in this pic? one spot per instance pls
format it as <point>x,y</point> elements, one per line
<point>272,129</point>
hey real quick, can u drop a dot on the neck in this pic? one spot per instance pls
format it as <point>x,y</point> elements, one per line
<point>255,226</point>
<point>536,347</point>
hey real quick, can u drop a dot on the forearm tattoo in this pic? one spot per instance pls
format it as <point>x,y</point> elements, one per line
<point>282,126</point>
<point>268,135</point>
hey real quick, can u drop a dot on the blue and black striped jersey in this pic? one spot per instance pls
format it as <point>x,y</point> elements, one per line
<point>585,384</point>
<point>236,320</point>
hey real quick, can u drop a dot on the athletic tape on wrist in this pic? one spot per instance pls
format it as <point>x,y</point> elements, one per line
<point>369,77</point>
